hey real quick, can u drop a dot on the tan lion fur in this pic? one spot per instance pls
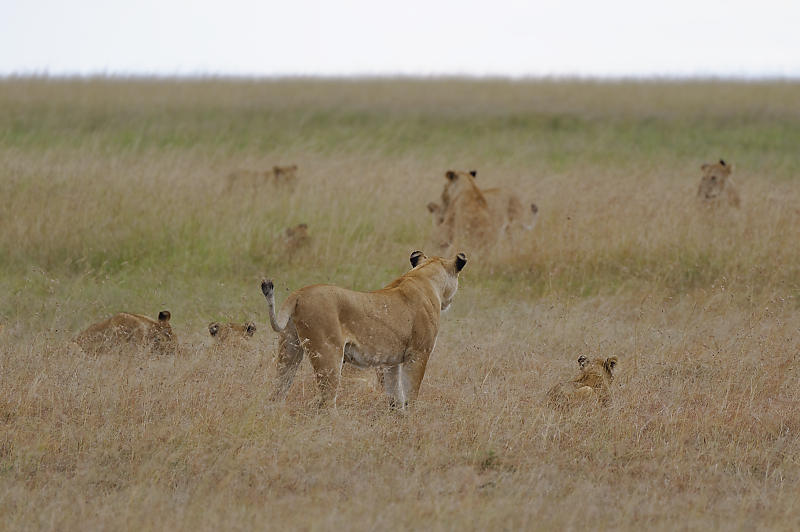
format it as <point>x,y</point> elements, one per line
<point>475,217</point>
<point>716,183</point>
<point>126,330</point>
<point>277,175</point>
<point>593,383</point>
<point>394,328</point>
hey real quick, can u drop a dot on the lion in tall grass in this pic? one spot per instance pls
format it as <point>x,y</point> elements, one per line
<point>126,331</point>
<point>231,332</point>
<point>593,384</point>
<point>716,183</point>
<point>285,176</point>
<point>478,217</point>
<point>394,328</point>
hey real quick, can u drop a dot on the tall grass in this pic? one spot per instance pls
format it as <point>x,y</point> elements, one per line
<point>113,197</point>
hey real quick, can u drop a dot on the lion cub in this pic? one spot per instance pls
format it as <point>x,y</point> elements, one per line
<point>716,182</point>
<point>230,332</point>
<point>593,383</point>
<point>130,330</point>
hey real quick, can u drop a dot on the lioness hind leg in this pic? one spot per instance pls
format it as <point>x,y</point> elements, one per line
<point>327,364</point>
<point>290,354</point>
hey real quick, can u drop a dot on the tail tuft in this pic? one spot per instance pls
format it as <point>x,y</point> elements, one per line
<point>267,287</point>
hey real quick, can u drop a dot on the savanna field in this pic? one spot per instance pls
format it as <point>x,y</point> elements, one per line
<point>113,197</point>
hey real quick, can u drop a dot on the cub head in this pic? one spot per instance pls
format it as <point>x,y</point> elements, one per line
<point>455,183</point>
<point>163,337</point>
<point>434,267</point>
<point>222,332</point>
<point>597,373</point>
<point>715,176</point>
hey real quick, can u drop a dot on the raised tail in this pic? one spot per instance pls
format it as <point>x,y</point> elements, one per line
<point>268,289</point>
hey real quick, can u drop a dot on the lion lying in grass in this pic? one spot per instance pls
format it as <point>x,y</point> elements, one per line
<point>125,331</point>
<point>592,385</point>
<point>393,328</point>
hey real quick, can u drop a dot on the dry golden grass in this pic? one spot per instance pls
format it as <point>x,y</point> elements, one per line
<point>112,198</point>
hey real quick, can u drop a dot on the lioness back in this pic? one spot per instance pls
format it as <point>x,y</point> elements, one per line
<point>126,330</point>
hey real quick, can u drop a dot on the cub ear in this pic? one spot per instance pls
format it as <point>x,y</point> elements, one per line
<point>451,175</point>
<point>415,258</point>
<point>164,315</point>
<point>213,328</point>
<point>302,226</point>
<point>461,261</point>
<point>582,360</point>
<point>250,328</point>
<point>473,173</point>
<point>610,364</point>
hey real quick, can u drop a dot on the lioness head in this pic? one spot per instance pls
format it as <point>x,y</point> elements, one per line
<point>434,267</point>
<point>455,183</point>
<point>225,331</point>
<point>715,177</point>
<point>163,338</point>
<point>597,373</point>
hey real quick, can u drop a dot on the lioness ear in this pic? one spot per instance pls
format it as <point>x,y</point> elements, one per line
<point>473,173</point>
<point>302,226</point>
<point>164,315</point>
<point>722,162</point>
<point>213,328</point>
<point>276,169</point>
<point>451,175</point>
<point>251,328</point>
<point>433,207</point>
<point>582,361</point>
<point>461,261</point>
<point>415,258</point>
<point>610,364</point>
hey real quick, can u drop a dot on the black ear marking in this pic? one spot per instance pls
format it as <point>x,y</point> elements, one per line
<point>722,162</point>
<point>473,173</point>
<point>213,328</point>
<point>164,315</point>
<point>451,175</point>
<point>582,361</point>
<point>415,258</point>
<point>534,208</point>
<point>250,328</point>
<point>461,261</point>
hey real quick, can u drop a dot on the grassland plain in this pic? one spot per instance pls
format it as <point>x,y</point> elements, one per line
<point>112,198</point>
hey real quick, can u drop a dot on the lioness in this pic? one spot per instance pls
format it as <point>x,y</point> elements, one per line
<point>225,332</point>
<point>593,383</point>
<point>479,217</point>
<point>130,330</point>
<point>393,328</point>
<point>296,237</point>
<point>278,175</point>
<point>717,181</point>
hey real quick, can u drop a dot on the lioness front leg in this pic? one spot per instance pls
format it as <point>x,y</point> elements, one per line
<point>411,373</point>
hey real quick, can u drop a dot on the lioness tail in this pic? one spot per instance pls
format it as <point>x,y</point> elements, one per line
<point>268,289</point>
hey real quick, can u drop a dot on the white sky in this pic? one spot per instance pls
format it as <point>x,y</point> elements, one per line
<point>411,37</point>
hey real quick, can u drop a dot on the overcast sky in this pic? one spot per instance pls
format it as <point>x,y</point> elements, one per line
<point>410,37</point>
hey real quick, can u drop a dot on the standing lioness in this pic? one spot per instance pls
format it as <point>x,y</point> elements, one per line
<point>393,328</point>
